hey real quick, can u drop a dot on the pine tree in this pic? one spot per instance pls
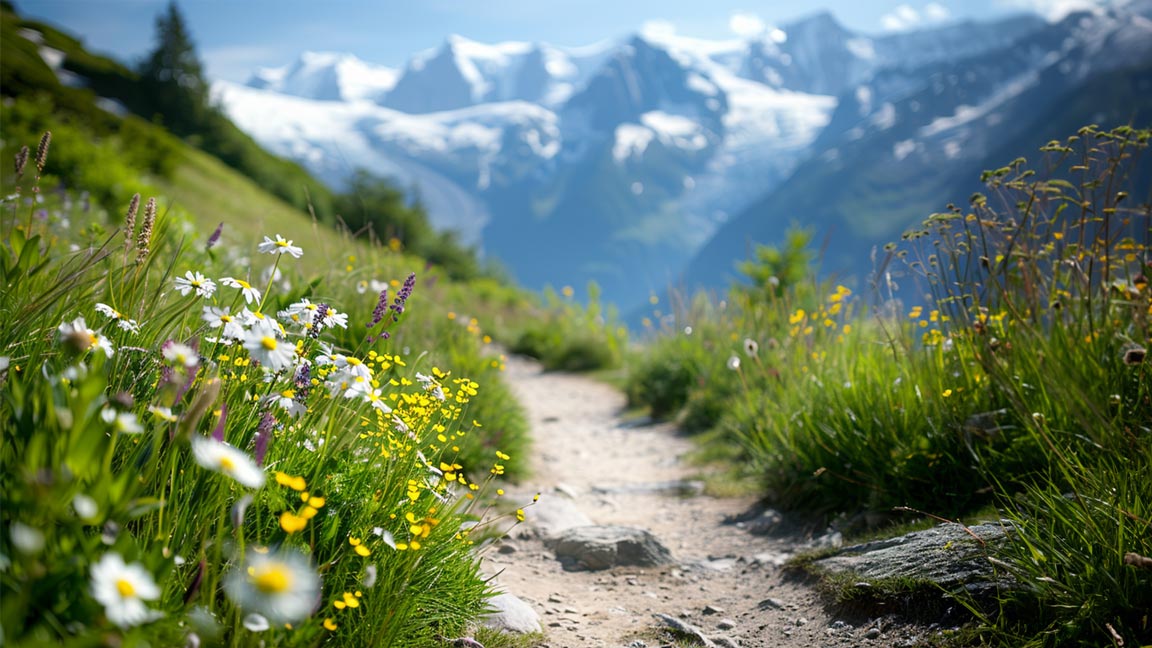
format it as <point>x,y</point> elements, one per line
<point>174,77</point>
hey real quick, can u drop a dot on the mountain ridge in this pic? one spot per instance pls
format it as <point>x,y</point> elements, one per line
<point>632,152</point>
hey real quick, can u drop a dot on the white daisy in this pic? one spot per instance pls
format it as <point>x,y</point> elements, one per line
<point>223,458</point>
<point>83,338</point>
<point>280,586</point>
<point>279,246</point>
<point>375,397</point>
<point>352,366</point>
<point>203,286</point>
<point>334,318</point>
<point>286,400</point>
<point>250,294</point>
<point>124,422</point>
<point>265,347</point>
<point>124,323</point>
<point>220,317</point>
<point>163,413</point>
<point>181,354</point>
<point>122,589</point>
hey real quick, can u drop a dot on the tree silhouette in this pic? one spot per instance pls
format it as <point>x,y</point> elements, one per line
<point>173,77</point>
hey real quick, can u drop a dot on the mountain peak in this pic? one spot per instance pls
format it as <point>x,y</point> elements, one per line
<point>822,22</point>
<point>328,76</point>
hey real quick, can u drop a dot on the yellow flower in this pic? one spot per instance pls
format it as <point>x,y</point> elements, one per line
<point>291,522</point>
<point>329,624</point>
<point>295,483</point>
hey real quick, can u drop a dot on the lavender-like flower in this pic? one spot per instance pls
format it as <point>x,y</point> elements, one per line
<point>263,436</point>
<point>212,240</point>
<point>318,320</point>
<point>397,307</point>
<point>303,383</point>
<point>381,308</point>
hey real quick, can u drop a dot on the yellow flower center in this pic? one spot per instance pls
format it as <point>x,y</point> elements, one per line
<point>225,318</point>
<point>269,343</point>
<point>282,243</point>
<point>243,284</point>
<point>354,362</point>
<point>226,464</point>
<point>125,588</point>
<point>273,579</point>
<point>288,393</point>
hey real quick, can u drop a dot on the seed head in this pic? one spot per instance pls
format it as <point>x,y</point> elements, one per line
<point>130,221</point>
<point>42,151</point>
<point>21,161</point>
<point>145,237</point>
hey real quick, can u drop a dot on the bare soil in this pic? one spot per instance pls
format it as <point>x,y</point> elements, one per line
<point>725,581</point>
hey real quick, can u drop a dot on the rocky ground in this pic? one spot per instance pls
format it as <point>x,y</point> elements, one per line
<point>669,557</point>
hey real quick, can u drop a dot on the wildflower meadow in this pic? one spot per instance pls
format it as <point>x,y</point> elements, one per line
<point>995,369</point>
<point>211,445</point>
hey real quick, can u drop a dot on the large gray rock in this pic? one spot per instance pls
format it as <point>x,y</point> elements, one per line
<point>950,555</point>
<point>602,547</point>
<point>510,614</point>
<point>552,515</point>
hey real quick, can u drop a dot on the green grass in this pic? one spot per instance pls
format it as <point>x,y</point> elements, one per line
<point>100,452</point>
<point>1020,385</point>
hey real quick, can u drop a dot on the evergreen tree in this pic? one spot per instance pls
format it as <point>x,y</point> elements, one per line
<point>174,77</point>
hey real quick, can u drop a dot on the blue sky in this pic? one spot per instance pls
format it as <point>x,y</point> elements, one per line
<point>236,36</point>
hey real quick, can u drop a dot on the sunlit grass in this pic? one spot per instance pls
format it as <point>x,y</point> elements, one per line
<point>1021,383</point>
<point>261,442</point>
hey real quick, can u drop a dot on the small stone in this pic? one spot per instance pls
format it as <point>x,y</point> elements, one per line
<point>801,621</point>
<point>770,604</point>
<point>712,609</point>
<point>872,633</point>
<point>510,614</point>
<point>507,548</point>
<point>726,642</point>
<point>725,624</point>
<point>555,598</point>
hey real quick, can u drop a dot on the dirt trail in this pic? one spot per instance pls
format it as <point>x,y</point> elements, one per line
<point>725,581</point>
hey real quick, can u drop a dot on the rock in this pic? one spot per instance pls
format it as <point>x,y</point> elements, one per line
<point>551,516</point>
<point>712,609</point>
<point>770,604</point>
<point>686,629</point>
<point>567,491</point>
<point>726,642</point>
<point>872,633</point>
<point>765,523</point>
<point>946,555</point>
<point>507,548</point>
<point>602,547</point>
<point>725,624</point>
<point>680,487</point>
<point>510,614</point>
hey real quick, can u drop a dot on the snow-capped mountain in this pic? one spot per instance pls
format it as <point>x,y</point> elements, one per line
<point>909,140</point>
<point>327,76</point>
<point>612,162</point>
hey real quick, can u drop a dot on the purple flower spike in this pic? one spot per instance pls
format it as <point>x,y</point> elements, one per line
<point>218,431</point>
<point>263,436</point>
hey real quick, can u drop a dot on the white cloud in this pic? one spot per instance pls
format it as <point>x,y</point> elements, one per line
<point>1053,9</point>
<point>905,17</point>
<point>746,25</point>
<point>936,12</point>
<point>658,28</point>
